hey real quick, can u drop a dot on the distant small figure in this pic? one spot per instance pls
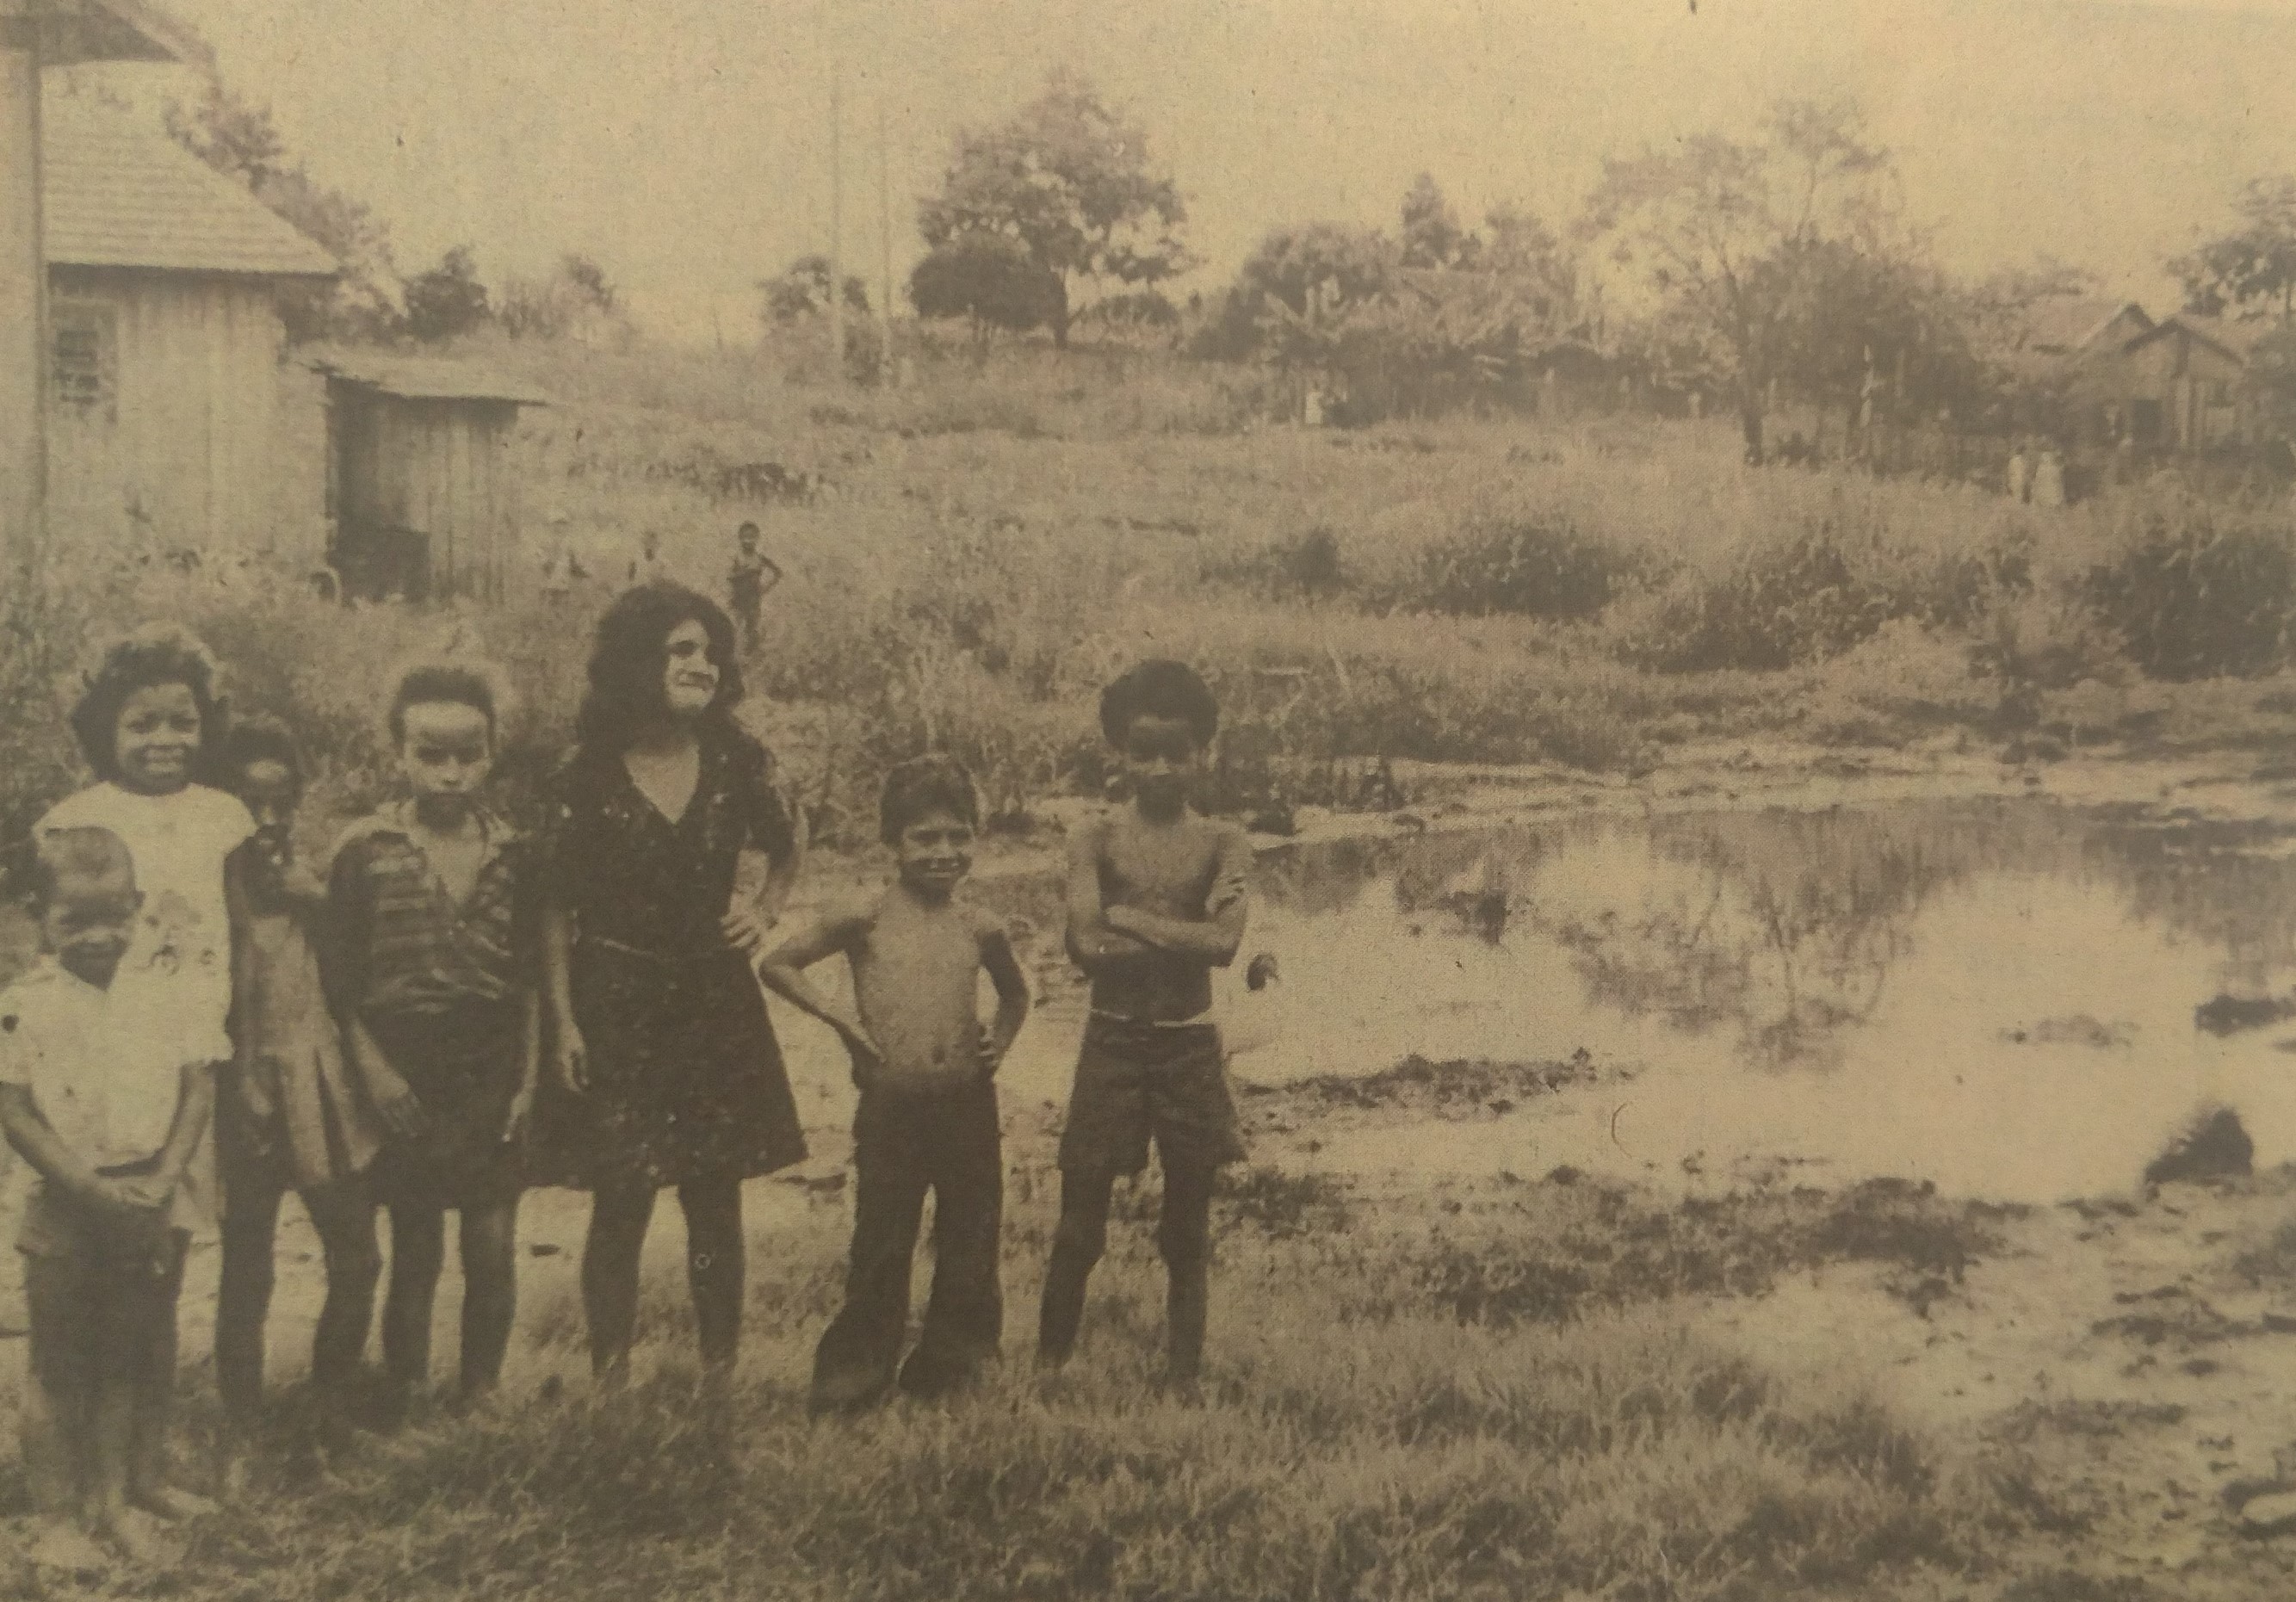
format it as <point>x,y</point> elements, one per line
<point>2019,482</point>
<point>753,574</point>
<point>558,562</point>
<point>649,568</point>
<point>2049,480</point>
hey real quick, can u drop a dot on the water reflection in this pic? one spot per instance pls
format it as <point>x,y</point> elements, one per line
<point>1999,996</point>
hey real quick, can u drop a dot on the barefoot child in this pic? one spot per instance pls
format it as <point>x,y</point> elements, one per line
<point>1155,901</point>
<point>288,1115</point>
<point>926,1069</point>
<point>435,948</point>
<point>107,1114</point>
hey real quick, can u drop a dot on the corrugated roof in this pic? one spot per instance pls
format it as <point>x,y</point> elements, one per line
<point>120,194</point>
<point>425,377</point>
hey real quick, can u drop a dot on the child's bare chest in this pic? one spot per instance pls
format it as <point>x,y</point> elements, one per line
<point>1167,871</point>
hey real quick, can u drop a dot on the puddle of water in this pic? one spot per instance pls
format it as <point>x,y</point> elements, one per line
<point>1998,997</point>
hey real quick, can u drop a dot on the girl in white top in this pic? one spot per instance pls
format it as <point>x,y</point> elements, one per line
<point>146,724</point>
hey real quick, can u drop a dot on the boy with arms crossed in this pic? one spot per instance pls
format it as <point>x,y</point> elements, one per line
<point>1155,901</point>
<point>926,1068</point>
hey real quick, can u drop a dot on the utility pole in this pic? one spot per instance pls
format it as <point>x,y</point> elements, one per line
<point>836,231</point>
<point>884,226</point>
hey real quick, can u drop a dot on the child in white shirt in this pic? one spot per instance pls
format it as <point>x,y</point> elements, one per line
<point>107,1114</point>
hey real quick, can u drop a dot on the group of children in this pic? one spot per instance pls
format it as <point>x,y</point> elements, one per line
<point>370,1037</point>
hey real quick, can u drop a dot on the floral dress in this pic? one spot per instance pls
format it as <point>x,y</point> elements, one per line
<point>685,1077</point>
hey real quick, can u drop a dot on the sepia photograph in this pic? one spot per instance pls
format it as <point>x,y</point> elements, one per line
<point>1206,801</point>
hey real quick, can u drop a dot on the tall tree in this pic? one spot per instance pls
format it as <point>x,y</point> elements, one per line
<point>448,300</point>
<point>1430,233</point>
<point>1732,233</point>
<point>801,292</point>
<point>577,299</point>
<point>2250,271</point>
<point>241,141</point>
<point>1068,180</point>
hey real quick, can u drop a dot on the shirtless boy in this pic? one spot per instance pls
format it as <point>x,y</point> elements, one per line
<point>1155,901</point>
<point>926,1069</point>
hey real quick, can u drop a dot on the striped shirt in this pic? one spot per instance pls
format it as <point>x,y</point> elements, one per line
<point>399,943</point>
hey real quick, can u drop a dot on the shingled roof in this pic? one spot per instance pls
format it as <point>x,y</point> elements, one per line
<point>118,193</point>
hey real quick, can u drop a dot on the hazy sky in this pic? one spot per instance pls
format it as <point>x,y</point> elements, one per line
<point>685,143</point>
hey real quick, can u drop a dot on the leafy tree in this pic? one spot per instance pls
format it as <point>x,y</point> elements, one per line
<point>802,291</point>
<point>241,141</point>
<point>448,300</point>
<point>990,279</point>
<point>1431,236</point>
<point>1068,182</point>
<point>2250,272</point>
<point>577,299</point>
<point>1736,233</point>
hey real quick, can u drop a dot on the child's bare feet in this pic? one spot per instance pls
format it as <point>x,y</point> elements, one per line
<point>63,1546</point>
<point>138,1537</point>
<point>172,1503</point>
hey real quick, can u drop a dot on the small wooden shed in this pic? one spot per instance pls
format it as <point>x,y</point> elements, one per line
<point>170,418</point>
<point>422,487</point>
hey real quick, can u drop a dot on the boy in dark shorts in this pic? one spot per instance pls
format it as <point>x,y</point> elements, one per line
<point>926,1068</point>
<point>1155,901</point>
<point>753,574</point>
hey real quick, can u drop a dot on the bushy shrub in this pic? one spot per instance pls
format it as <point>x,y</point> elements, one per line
<point>1547,568</point>
<point>2196,593</point>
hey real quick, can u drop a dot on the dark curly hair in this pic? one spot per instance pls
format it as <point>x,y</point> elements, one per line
<point>1158,688</point>
<point>162,653</point>
<point>630,655</point>
<point>446,681</point>
<point>258,737</point>
<point>921,785</point>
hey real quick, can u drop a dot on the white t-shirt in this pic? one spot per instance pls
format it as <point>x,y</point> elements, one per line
<point>108,1092</point>
<point>175,979</point>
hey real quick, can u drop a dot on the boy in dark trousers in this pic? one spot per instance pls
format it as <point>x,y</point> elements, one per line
<point>1155,901</point>
<point>926,1068</point>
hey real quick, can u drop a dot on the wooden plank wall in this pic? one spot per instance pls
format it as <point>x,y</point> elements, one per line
<point>205,441</point>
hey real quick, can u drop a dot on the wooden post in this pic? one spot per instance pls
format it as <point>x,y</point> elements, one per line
<point>836,234</point>
<point>23,281</point>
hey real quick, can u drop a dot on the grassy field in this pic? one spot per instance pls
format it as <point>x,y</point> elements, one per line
<point>1367,1431</point>
<point>992,542</point>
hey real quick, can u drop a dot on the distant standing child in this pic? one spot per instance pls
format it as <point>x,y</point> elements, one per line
<point>649,568</point>
<point>107,1114</point>
<point>289,1116</point>
<point>434,976</point>
<point>1155,901</point>
<point>753,574</point>
<point>926,1068</point>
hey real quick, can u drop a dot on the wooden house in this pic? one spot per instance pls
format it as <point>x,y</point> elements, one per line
<point>2182,384</point>
<point>172,422</point>
<point>422,487</point>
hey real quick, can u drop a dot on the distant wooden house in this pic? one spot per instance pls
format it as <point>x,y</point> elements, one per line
<point>172,422</point>
<point>2181,385</point>
<point>422,488</point>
